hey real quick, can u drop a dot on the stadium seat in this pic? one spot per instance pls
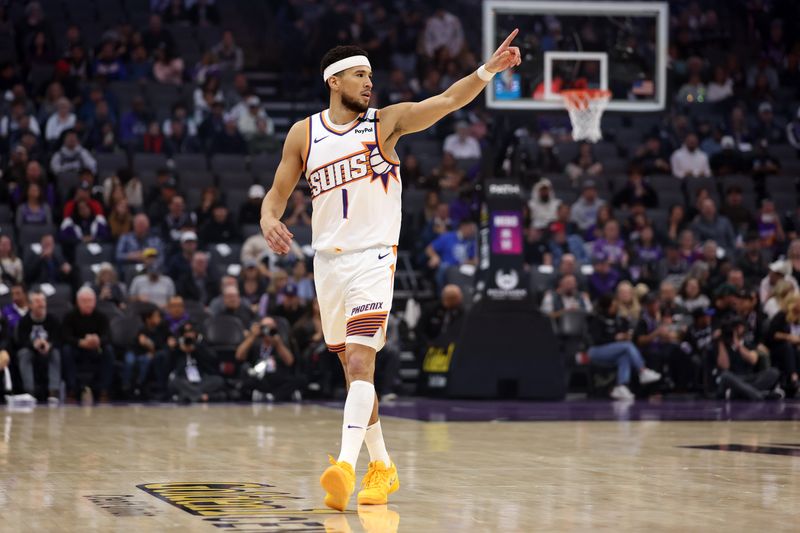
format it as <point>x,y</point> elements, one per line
<point>89,253</point>
<point>7,228</point>
<point>248,230</point>
<point>108,164</point>
<point>185,163</point>
<point>123,331</point>
<point>265,163</point>
<point>302,234</point>
<point>221,163</point>
<point>109,309</point>
<point>197,312</point>
<point>143,162</point>
<point>234,198</point>
<point>224,254</point>
<point>236,179</point>
<point>58,309</point>
<point>196,179</point>
<point>32,233</point>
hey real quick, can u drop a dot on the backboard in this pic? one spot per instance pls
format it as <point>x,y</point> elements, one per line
<point>614,45</point>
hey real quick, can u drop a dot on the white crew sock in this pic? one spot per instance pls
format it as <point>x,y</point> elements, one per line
<point>375,444</point>
<point>357,410</point>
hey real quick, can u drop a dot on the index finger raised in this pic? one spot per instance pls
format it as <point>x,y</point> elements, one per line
<point>509,39</point>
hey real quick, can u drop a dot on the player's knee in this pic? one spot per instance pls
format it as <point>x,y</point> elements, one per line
<point>360,365</point>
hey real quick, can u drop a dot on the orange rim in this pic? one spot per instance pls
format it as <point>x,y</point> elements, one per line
<point>580,98</point>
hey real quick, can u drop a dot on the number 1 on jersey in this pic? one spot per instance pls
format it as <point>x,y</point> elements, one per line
<point>344,203</point>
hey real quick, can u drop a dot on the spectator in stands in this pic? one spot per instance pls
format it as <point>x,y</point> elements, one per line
<point>220,228</point>
<point>176,315</point>
<point>566,297</point>
<point>100,135</point>
<point>33,210</point>
<point>264,139</point>
<point>229,140</point>
<point>778,270</point>
<point>442,30</point>
<point>10,265</point>
<point>198,284</point>
<point>152,142</point>
<point>689,248</point>
<point>694,90</point>
<point>793,256</point>
<point>151,286</point>
<point>6,382</point>
<point>232,304</point>
<point>250,211</point>
<point>611,344</point>
<point>770,229</point>
<point>737,376</point>
<point>440,316</point>
<point>753,260</point>
<point>176,221</point>
<point>161,197</point>
<point>778,299</point>
<point>304,283</point>
<point>252,285</point>
<point>673,266</point>
<point>180,261</point>
<point>167,68</point>
<point>763,163</point>
<point>636,190</point>
<point>766,127</point>
<point>720,88</point>
<point>562,243</point>
<point>178,141</point>
<point>133,124</point>
<point>448,174</point>
<point>268,369</point>
<point>299,210</point>
<point>72,157</point>
<point>584,164</point>
<point>728,160</point>
<point>14,171</point>
<point>627,299</point>
<point>34,174</point>
<point>689,160</point>
<point>658,338</point>
<point>83,226</point>
<point>87,345</point>
<point>709,225</point>
<point>228,53</point>
<point>453,248</point>
<point>139,66</point>
<point>611,245</point>
<point>107,286</point>
<point>604,278</point>
<point>645,254</point>
<point>208,199</point>
<point>691,297</point>
<point>653,157</point>
<point>149,350</point>
<point>291,307</point>
<point>543,204</point>
<point>207,66</point>
<point>60,121</point>
<point>247,115</point>
<point>461,145</point>
<point>83,193</point>
<point>18,121</point>
<point>180,113</point>
<point>584,210</point>
<point>131,245</point>
<point>108,64</point>
<point>49,266</point>
<point>120,218</point>
<point>208,101</point>
<point>13,311</point>
<point>194,374</point>
<point>793,131</point>
<point>156,36</point>
<point>734,209</point>
<point>37,339</point>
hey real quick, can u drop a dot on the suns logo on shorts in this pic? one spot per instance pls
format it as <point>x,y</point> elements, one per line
<point>368,162</point>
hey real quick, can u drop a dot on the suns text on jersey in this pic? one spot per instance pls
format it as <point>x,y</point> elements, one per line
<point>339,172</point>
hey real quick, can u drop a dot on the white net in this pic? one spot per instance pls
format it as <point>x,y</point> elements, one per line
<point>585,109</point>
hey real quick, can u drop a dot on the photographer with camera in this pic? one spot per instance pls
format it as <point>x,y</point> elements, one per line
<point>736,374</point>
<point>194,376</point>
<point>268,364</point>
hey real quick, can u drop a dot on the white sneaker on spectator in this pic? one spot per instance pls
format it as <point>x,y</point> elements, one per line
<point>257,396</point>
<point>269,397</point>
<point>389,397</point>
<point>648,376</point>
<point>621,392</point>
<point>297,396</point>
<point>52,401</point>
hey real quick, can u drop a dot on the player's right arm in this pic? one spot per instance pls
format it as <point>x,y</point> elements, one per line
<point>278,237</point>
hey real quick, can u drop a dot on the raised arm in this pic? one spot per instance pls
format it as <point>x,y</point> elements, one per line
<point>287,175</point>
<point>408,117</point>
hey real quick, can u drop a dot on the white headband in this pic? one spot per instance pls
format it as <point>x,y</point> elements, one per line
<point>344,64</point>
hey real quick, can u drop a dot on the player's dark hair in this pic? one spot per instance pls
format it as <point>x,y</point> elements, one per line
<point>338,53</point>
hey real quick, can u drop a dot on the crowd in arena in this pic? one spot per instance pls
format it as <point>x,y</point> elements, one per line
<point>137,280</point>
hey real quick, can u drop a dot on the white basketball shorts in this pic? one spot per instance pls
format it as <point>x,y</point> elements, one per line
<point>354,291</point>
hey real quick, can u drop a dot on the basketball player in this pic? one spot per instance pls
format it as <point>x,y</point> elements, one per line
<point>347,155</point>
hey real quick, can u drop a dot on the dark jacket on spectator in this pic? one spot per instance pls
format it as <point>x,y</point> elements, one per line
<point>187,287</point>
<point>76,326</point>
<point>29,330</point>
<point>213,232</point>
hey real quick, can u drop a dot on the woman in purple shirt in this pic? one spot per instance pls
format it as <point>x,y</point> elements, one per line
<point>33,209</point>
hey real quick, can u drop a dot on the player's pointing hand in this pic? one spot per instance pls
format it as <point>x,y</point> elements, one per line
<point>278,237</point>
<point>505,56</point>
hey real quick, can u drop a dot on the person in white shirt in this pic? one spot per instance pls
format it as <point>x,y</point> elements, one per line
<point>461,145</point>
<point>247,114</point>
<point>689,160</point>
<point>778,270</point>
<point>543,204</point>
<point>721,87</point>
<point>60,121</point>
<point>566,297</point>
<point>443,29</point>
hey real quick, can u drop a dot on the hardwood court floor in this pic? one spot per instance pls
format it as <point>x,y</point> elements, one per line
<point>137,468</point>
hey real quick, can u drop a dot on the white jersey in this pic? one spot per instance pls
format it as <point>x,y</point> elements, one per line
<point>355,186</point>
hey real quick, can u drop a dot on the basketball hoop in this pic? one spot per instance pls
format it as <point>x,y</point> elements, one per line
<point>585,107</point>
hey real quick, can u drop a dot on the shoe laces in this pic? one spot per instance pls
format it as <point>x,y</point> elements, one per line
<point>376,476</point>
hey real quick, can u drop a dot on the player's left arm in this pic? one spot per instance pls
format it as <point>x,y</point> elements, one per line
<point>409,117</point>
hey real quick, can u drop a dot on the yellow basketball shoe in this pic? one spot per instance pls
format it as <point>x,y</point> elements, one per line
<point>378,483</point>
<point>339,482</point>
